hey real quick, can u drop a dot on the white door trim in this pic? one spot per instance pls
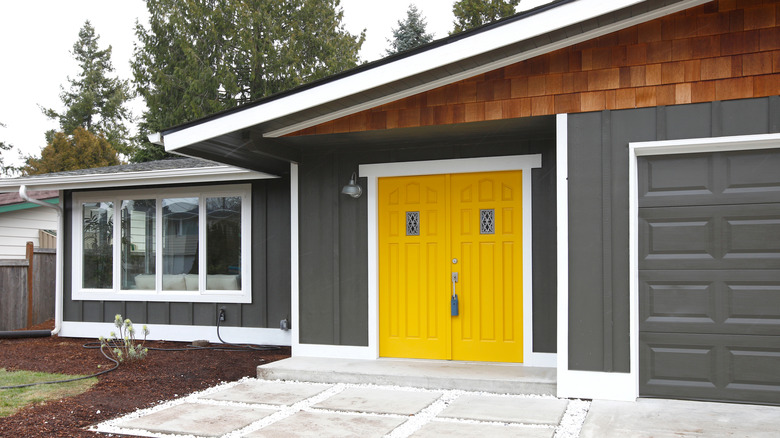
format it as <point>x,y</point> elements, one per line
<point>438,167</point>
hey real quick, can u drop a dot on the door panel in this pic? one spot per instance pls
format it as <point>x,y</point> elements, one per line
<point>413,270</point>
<point>473,218</point>
<point>487,241</point>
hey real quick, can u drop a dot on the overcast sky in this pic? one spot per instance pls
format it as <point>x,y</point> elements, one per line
<point>36,37</point>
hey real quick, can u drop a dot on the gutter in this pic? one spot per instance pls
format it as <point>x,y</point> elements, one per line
<point>58,276</point>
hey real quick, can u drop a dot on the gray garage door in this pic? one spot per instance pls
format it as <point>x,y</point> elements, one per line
<point>709,276</point>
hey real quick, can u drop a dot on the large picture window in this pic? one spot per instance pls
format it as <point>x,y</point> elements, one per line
<point>188,244</point>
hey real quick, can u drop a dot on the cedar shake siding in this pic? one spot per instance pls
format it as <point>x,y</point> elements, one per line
<point>722,50</point>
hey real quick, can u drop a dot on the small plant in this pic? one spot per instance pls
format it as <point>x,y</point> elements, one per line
<point>123,346</point>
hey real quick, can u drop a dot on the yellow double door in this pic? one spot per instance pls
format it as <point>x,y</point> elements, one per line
<point>446,235</point>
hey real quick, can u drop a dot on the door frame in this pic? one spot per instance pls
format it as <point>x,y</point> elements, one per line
<point>438,167</point>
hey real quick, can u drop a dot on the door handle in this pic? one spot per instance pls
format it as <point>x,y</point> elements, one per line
<point>454,298</point>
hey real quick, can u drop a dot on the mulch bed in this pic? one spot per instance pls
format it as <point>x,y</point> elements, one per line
<point>163,375</point>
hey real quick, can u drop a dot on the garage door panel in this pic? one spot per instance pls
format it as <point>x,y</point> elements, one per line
<point>738,177</point>
<point>714,302</point>
<point>751,171</point>
<point>700,366</point>
<point>710,237</point>
<point>753,236</point>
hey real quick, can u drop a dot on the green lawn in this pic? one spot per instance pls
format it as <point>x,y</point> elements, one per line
<point>11,400</point>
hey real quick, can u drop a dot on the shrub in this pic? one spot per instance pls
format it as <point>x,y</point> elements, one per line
<point>123,346</point>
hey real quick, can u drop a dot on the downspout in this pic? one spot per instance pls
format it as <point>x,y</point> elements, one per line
<point>58,276</point>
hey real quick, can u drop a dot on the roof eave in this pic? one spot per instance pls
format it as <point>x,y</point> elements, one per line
<point>134,179</point>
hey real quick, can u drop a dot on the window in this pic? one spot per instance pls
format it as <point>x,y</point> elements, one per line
<point>188,244</point>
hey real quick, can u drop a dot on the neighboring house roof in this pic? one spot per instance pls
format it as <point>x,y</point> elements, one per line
<point>255,129</point>
<point>170,171</point>
<point>13,202</point>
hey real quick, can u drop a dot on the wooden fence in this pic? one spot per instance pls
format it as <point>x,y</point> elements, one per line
<point>27,289</point>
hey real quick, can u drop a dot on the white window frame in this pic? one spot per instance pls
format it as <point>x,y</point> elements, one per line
<point>244,295</point>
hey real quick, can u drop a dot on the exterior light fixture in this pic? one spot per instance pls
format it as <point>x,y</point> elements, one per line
<point>352,189</point>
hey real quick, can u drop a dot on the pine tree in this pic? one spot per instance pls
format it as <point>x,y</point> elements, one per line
<point>410,32</point>
<point>5,169</point>
<point>203,56</point>
<point>79,150</point>
<point>94,101</point>
<point>474,13</point>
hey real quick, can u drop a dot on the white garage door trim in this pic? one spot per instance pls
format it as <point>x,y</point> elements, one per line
<point>669,147</point>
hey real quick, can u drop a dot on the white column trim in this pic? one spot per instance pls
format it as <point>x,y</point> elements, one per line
<point>574,383</point>
<point>294,262</point>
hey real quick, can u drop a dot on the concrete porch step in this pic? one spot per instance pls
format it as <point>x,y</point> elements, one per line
<point>430,374</point>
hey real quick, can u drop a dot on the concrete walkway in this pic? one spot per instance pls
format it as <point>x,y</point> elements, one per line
<point>427,399</point>
<point>263,408</point>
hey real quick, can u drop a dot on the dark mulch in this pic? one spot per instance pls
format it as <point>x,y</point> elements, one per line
<point>162,376</point>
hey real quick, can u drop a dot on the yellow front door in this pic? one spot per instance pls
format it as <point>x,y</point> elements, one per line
<point>431,229</point>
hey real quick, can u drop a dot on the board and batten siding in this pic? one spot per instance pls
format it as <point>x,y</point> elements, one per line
<point>21,226</point>
<point>270,275</point>
<point>598,211</point>
<point>333,233</point>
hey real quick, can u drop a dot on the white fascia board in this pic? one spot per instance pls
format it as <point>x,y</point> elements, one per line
<point>482,42</point>
<point>133,179</point>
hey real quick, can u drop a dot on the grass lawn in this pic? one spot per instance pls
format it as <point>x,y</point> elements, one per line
<point>11,400</point>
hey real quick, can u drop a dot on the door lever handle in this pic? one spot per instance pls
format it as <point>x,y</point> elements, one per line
<point>454,299</point>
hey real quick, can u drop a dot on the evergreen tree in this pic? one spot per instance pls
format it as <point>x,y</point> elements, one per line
<point>203,56</point>
<point>80,150</point>
<point>95,101</point>
<point>5,169</point>
<point>474,13</point>
<point>410,33</point>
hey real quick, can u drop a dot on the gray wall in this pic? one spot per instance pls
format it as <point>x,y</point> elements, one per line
<point>333,229</point>
<point>270,275</point>
<point>598,211</point>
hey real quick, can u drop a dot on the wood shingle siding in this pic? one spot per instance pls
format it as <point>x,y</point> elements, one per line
<point>722,50</point>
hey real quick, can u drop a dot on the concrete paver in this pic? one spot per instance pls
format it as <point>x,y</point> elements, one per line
<point>439,429</point>
<point>507,409</point>
<point>380,401</point>
<point>329,425</point>
<point>197,419</point>
<point>272,393</point>
<point>674,418</point>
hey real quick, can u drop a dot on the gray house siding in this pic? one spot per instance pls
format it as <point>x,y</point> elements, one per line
<point>598,211</point>
<point>270,279</point>
<point>333,230</point>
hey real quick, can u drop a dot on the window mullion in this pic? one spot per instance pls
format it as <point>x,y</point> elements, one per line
<point>158,257</point>
<point>116,281</point>
<point>202,271</point>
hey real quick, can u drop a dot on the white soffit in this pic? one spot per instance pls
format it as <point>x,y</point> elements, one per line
<point>538,24</point>
<point>133,179</point>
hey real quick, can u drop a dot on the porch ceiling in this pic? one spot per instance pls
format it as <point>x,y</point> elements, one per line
<point>249,149</point>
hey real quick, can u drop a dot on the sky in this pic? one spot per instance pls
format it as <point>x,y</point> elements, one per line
<point>37,36</point>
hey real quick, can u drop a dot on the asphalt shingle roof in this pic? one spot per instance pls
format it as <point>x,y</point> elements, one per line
<point>171,163</point>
